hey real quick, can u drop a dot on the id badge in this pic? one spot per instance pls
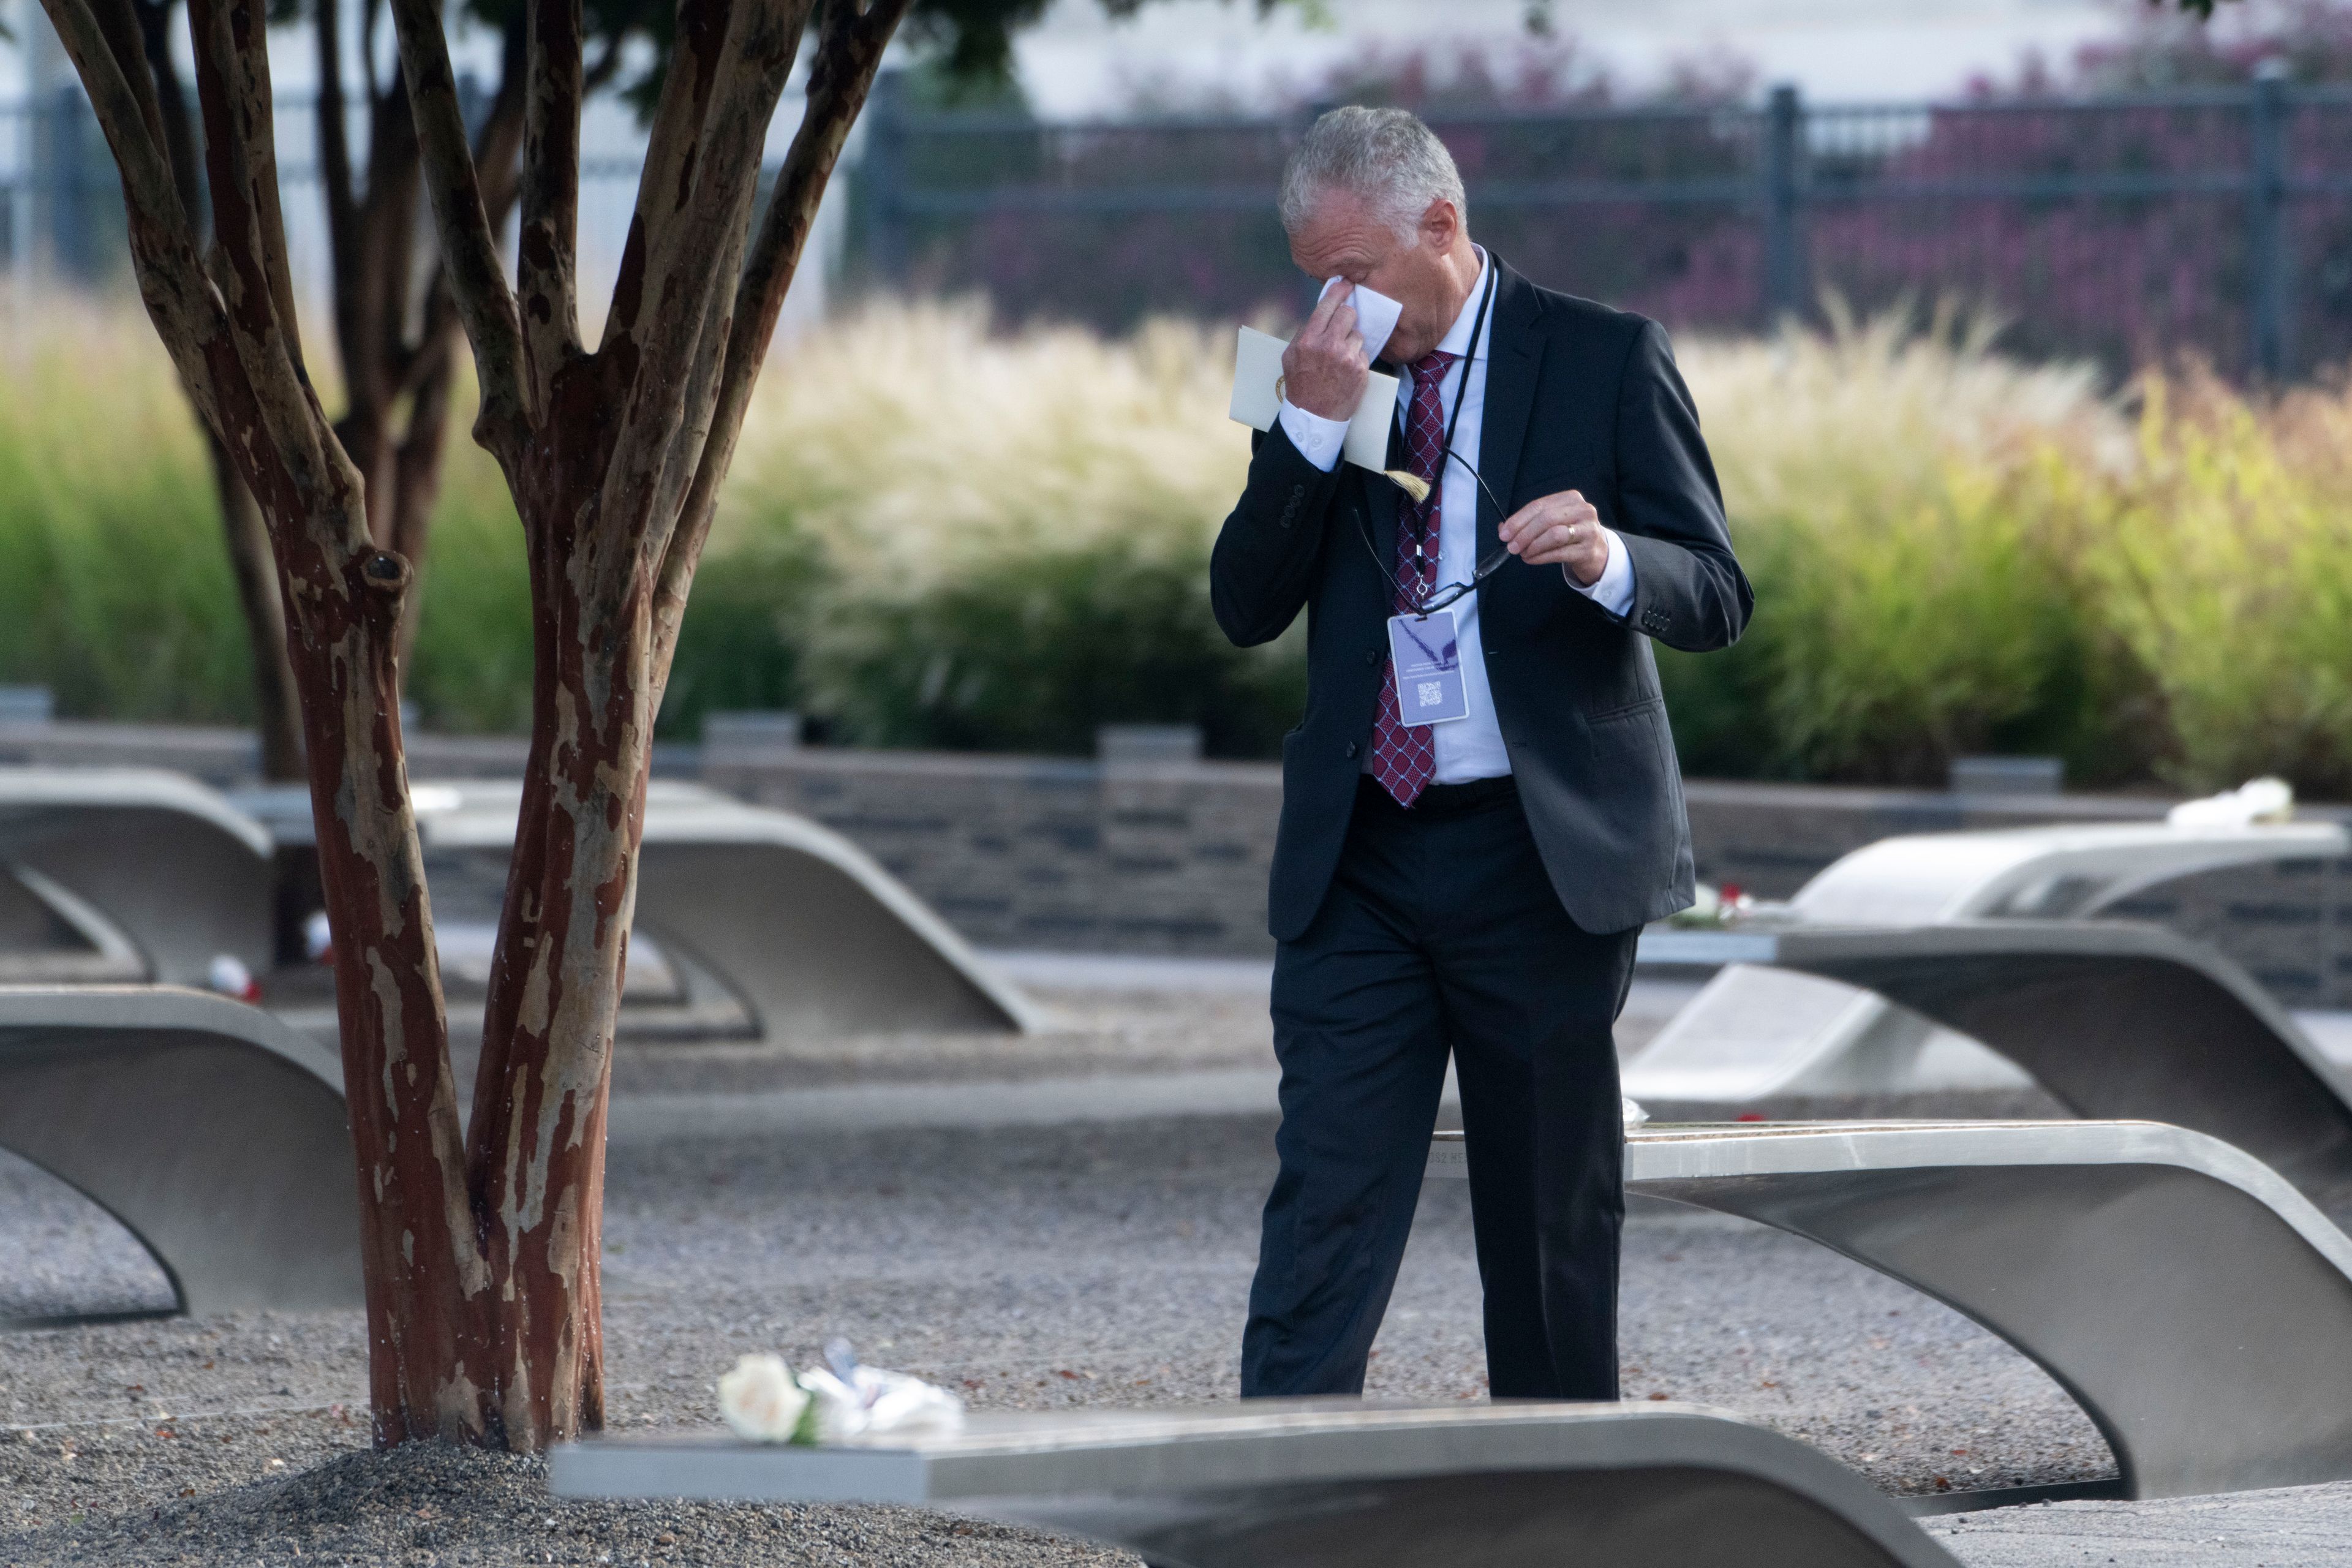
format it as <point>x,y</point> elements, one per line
<point>1427,651</point>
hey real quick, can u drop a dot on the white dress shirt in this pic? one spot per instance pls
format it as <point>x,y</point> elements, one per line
<point>1470,747</point>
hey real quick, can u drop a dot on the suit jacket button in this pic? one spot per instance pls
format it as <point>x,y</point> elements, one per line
<point>1352,748</point>
<point>1371,656</point>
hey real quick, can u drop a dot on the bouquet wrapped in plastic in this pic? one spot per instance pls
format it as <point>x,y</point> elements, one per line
<point>763,1401</point>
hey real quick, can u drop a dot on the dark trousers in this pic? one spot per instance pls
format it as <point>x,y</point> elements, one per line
<point>1442,932</point>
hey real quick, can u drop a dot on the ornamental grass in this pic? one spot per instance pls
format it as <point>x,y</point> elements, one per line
<point>940,535</point>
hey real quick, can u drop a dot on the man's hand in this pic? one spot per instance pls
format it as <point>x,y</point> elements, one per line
<point>1558,530</point>
<point>1325,367</point>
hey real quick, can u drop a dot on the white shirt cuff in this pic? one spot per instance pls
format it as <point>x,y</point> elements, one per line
<point>1614,589</point>
<point>1318,439</point>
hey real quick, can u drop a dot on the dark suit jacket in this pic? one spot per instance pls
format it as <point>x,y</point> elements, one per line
<point>1581,397</point>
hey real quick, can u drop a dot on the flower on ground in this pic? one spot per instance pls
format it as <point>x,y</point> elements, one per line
<point>760,1401</point>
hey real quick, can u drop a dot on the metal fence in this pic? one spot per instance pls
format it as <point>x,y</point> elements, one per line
<point>2217,224</point>
<point>61,199</point>
<point>2214,223</point>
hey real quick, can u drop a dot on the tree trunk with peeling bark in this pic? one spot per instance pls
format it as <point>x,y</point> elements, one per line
<point>278,718</point>
<point>480,1244</point>
<point>278,715</point>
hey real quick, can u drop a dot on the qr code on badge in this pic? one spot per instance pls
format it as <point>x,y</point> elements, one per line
<point>1429,692</point>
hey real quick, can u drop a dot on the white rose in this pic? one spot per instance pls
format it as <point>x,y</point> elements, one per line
<point>759,1400</point>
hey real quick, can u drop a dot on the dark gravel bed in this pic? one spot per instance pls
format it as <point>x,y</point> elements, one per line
<point>1024,1267</point>
<point>1083,1033</point>
<point>58,1256</point>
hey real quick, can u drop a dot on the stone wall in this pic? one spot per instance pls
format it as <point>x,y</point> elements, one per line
<point>1170,857</point>
<point>1158,857</point>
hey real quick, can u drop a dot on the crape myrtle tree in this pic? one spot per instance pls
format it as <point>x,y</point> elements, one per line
<point>479,1244</point>
<point>243,534</point>
<point>394,326</point>
<point>394,321</point>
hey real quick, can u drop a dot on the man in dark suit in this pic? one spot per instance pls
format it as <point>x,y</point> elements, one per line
<point>1472,886</point>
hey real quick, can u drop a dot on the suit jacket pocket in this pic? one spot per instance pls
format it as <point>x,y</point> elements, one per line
<point>1636,784</point>
<point>1622,711</point>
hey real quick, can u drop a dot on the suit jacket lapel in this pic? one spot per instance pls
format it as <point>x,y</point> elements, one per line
<point>1516,354</point>
<point>1381,499</point>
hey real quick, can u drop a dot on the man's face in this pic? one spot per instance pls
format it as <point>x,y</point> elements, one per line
<point>1343,237</point>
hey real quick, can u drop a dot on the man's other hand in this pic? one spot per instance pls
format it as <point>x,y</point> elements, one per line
<point>1558,530</point>
<point>1325,368</point>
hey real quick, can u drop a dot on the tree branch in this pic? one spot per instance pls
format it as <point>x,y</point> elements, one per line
<point>470,251</point>
<point>547,282</point>
<point>389,233</point>
<point>371,20</point>
<point>670,142</point>
<point>172,279</point>
<point>688,260</point>
<point>494,148</point>
<point>249,233</point>
<point>849,52</point>
<point>175,126</point>
<point>127,45</point>
<point>344,250</point>
<point>232,52</point>
<point>684,459</point>
<point>499,142</point>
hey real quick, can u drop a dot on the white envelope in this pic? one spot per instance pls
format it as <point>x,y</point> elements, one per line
<point>1257,398</point>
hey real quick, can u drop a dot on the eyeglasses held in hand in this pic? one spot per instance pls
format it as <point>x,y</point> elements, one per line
<point>1418,490</point>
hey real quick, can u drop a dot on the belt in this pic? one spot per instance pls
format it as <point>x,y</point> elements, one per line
<point>1441,800</point>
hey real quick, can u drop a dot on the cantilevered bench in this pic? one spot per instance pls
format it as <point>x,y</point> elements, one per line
<point>761,919</point>
<point>1334,1484</point>
<point>2196,1305</point>
<point>1753,1032</point>
<point>801,926</point>
<point>214,1133</point>
<point>128,874</point>
<point>2114,1019</point>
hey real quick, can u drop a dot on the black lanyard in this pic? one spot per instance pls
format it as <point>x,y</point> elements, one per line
<point>1462,393</point>
<point>1445,453</point>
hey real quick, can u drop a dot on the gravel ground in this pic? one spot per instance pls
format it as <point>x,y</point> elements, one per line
<point>1024,1267</point>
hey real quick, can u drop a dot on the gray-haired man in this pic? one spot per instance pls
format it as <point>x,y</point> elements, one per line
<point>1481,807</point>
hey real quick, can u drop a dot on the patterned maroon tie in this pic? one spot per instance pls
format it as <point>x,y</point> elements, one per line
<point>1403,760</point>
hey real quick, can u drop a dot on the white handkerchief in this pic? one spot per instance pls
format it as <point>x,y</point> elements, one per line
<point>1376,315</point>
<point>1257,399</point>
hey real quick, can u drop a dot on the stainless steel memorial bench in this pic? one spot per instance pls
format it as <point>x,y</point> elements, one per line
<point>2197,1306</point>
<point>748,920</point>
<point>128,874</point>
<point>215,1134</point>
<point>1334,1484</point>
<point>800,926</point>
<point>1754,1032</point>
<point>2114,1020</point>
